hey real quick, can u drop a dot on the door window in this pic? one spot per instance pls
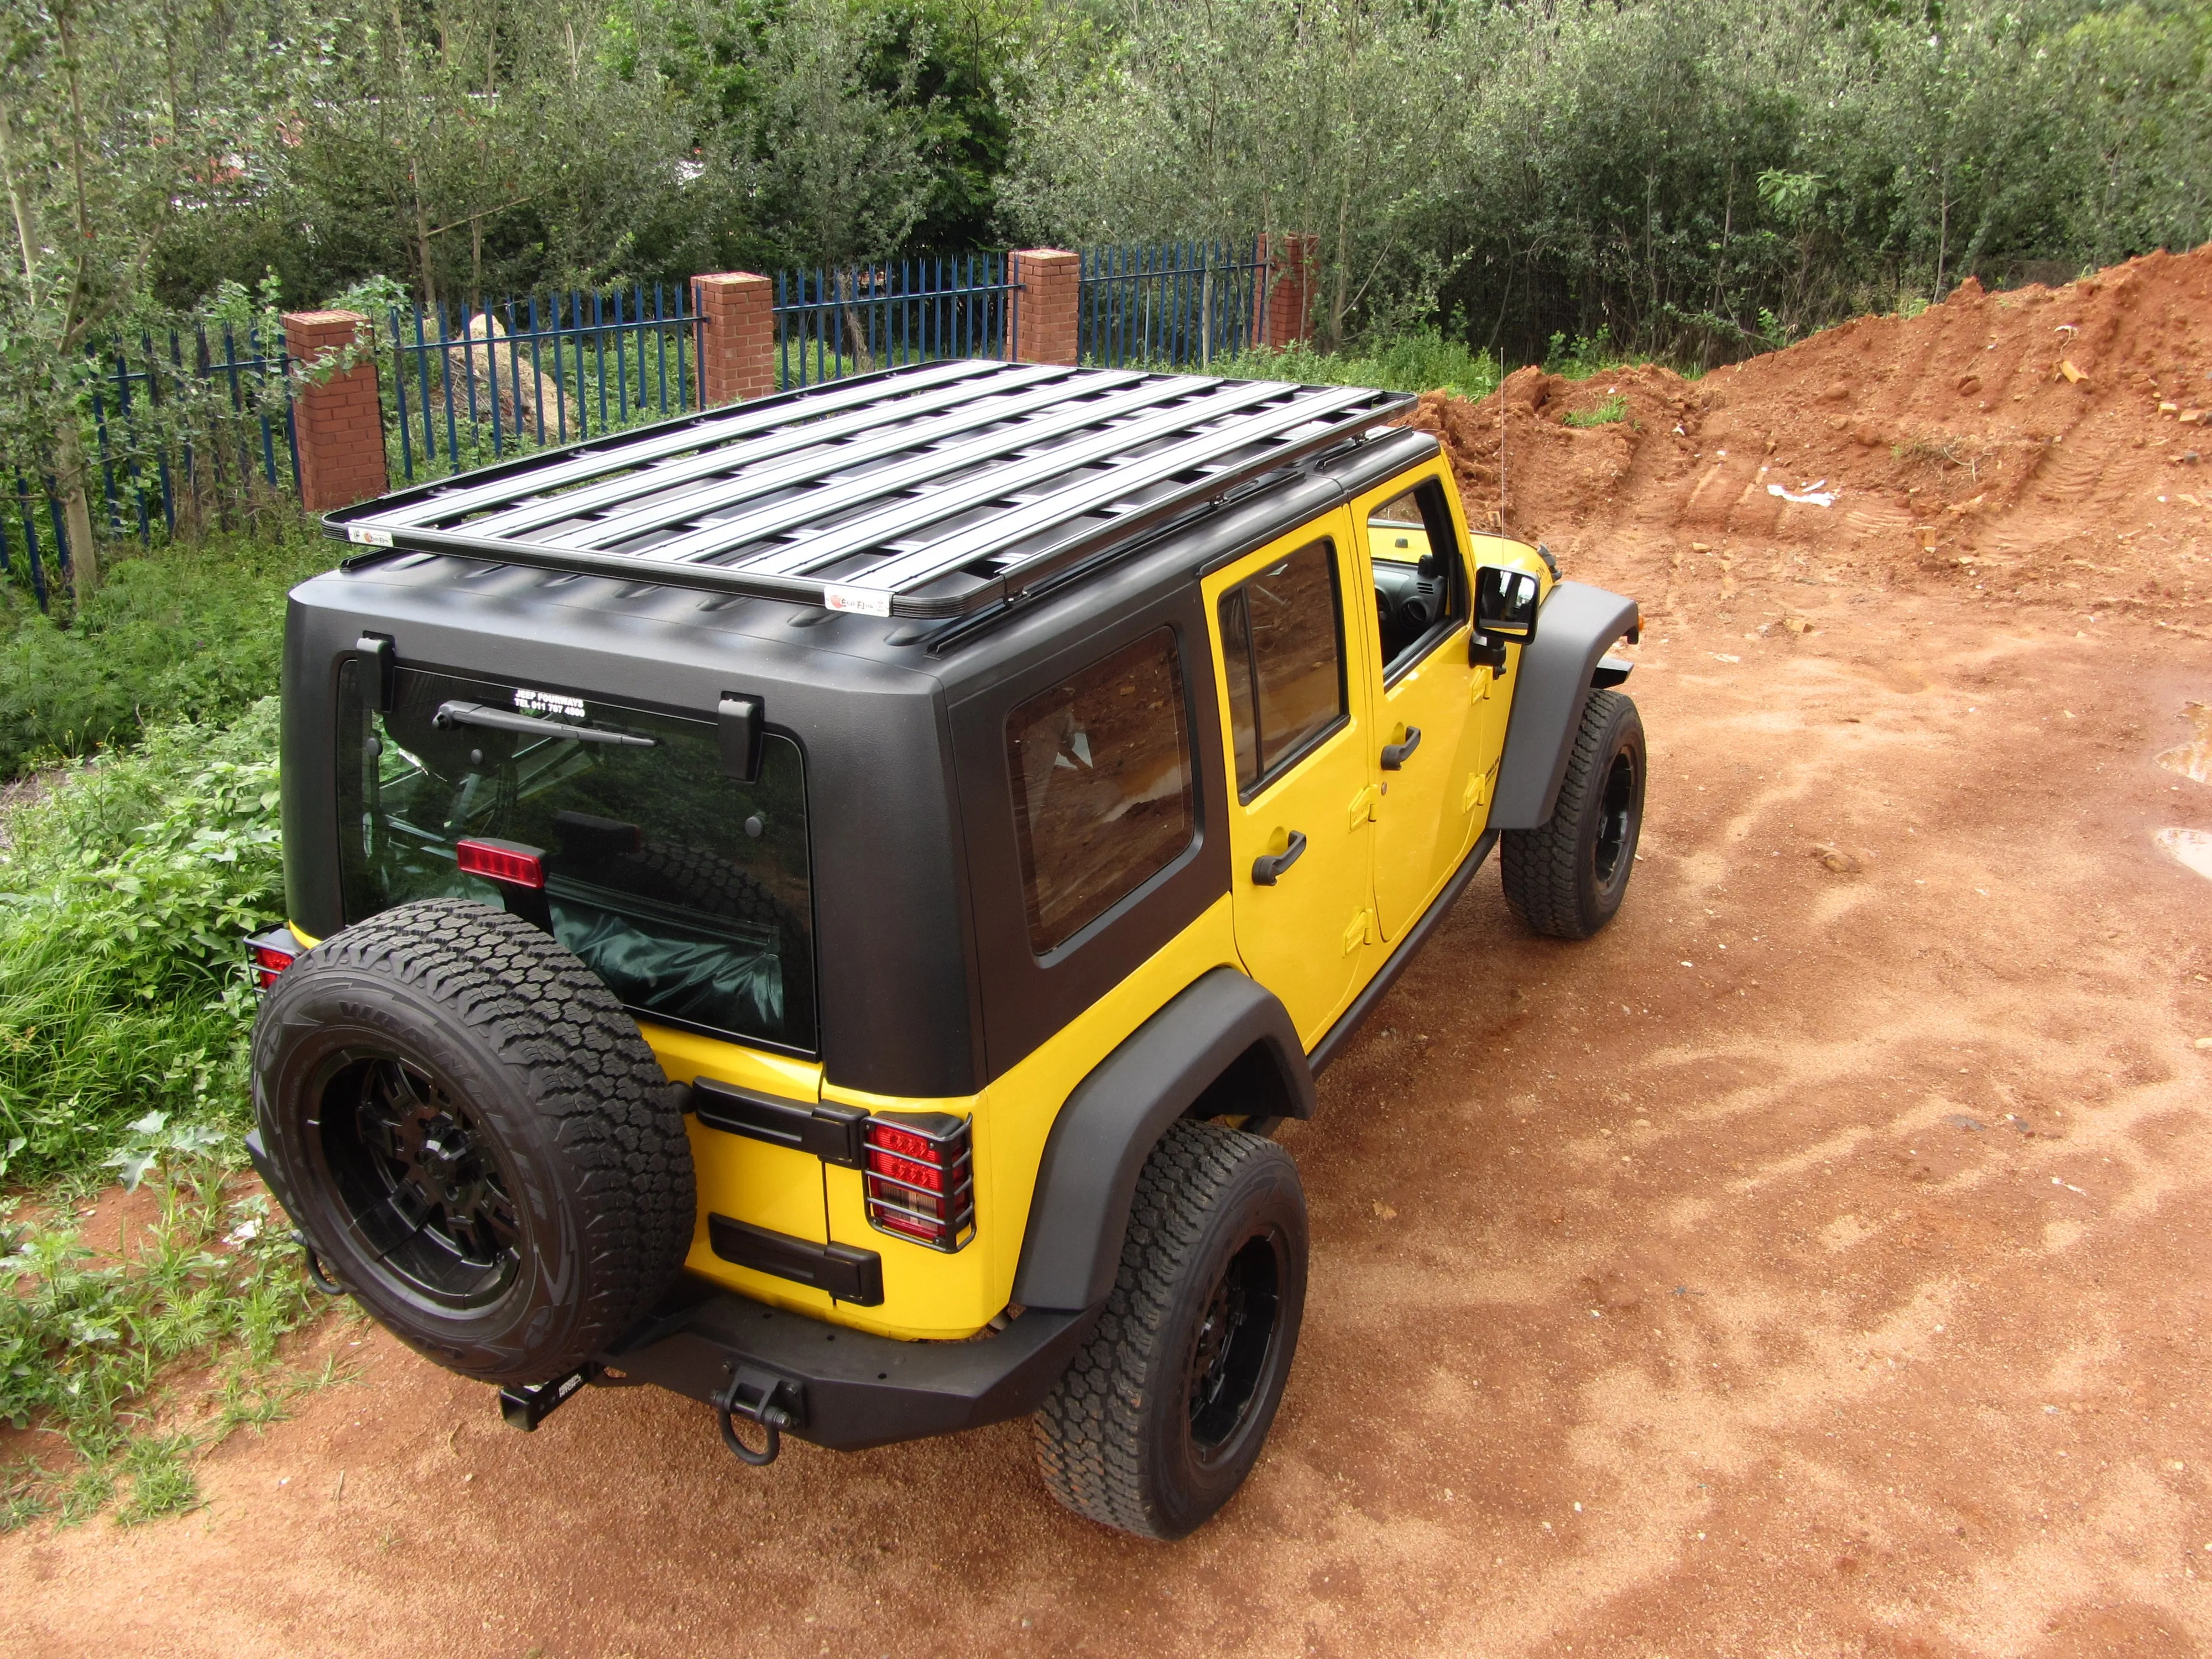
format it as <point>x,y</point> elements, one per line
<point>1103,796</point>
<point>1283,648</point>
<point>1420,586</point>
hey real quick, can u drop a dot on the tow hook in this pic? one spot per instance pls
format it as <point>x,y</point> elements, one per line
<point>526,1407</point>
<point>774,1402</point>
<point>318,1275</point>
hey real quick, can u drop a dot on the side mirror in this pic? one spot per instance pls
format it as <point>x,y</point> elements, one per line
<point>1505,604</point>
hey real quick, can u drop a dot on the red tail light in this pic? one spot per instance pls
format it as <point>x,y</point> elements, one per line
<point>920,1178</point>
<point>508,861</point>
<point>270,954</point>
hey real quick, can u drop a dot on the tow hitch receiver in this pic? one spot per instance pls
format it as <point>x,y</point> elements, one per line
<point>776,1403</point>
<point>525,1407</point>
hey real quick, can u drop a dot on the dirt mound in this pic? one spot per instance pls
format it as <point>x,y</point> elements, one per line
<point>2051,443</point>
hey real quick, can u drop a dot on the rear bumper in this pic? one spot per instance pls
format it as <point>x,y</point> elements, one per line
<point>853,1389</point>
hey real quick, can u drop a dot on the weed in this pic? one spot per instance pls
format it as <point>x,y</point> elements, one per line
<point>1589,355</point>
<point>1614,408</point>
<point>86,1344</point>
<point>190,631</point>
<point>1421,361</point>
<point>124,896</point>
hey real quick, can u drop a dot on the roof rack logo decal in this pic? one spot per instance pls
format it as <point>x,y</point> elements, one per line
<point>867,601</point>
<point>548,703</point>
<point>362,536</point>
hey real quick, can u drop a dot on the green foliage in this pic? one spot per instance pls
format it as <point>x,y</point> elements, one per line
<point>86,1344</point>
<point>125,895</point>
<point>1702,178</point>
<point>1614,408</point>
<point>183,630</point>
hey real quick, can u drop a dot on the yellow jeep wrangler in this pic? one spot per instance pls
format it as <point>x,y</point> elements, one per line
<point>819,905</point>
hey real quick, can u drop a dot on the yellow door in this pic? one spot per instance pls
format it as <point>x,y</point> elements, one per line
<point>1291,678</point>
<point>1433,753</point>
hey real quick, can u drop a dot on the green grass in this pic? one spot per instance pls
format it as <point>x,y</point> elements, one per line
<point>90,1348</point>
<point>197,631</point>
<point>125,1009</point>
<point>124,896</point>
<point>1614,408</point>
<point>1422,361</point>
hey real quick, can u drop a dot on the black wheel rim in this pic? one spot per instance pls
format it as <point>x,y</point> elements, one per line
<point>1233,1349</point>
<point>1615,816</point>
<point>425,1193</point>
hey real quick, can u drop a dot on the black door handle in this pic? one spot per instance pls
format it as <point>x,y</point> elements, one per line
<point>1268,866</point>
<point>1393,754</point>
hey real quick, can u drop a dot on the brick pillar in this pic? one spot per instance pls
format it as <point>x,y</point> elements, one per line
<point>339,422</point>
<point>737,337</point>
<point>1045,309</point>
<point>1289,259</point>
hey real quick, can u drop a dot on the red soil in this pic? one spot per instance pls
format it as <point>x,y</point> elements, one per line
<point>2041,443</point>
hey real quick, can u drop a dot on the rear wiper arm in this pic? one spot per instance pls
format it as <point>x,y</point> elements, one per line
<point>506,720</point>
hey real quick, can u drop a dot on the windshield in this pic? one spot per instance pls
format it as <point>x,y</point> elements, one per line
<point>684,890</point>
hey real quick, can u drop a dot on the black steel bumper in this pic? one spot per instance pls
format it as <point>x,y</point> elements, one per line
<point>844,1388</point>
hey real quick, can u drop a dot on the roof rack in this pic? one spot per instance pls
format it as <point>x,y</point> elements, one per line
<point>937,490</point>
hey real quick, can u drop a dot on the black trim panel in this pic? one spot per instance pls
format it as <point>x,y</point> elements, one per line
<point>1223,1024</point>
<point>1577,626</point>
<point>859,1389</point>
<point>830,1131</point>
<point>848,1275</point>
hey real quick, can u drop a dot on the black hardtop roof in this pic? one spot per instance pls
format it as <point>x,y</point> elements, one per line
<point>939,490</point>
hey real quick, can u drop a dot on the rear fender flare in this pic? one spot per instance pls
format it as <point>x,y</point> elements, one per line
<point>1079,1211</point>
<point>1577,626</point>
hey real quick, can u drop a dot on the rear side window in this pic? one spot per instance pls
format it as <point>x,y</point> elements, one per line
<point>684,890</point>
<point>1103,796</point>
<point>1282,649</point>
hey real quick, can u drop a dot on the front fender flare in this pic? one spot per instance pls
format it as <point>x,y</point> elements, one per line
<point>1576,625</point>
<point>1087,1180</point>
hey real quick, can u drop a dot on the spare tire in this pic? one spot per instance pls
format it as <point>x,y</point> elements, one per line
<point>471,1134</point>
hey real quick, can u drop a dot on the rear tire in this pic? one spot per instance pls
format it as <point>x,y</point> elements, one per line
<point>1568,877</point>
<point>472,1136</point>
<point>1162,1414</point>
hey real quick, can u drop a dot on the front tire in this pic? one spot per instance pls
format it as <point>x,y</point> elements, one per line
<point>470,1132</point>
<point>1567,878</point>
<point>1164,1412</point>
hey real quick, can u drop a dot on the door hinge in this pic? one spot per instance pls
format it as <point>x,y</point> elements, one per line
<point>1477,791</point>
<point>1480,688</point>
<point>1363,805</point>
<point>1361,932</point>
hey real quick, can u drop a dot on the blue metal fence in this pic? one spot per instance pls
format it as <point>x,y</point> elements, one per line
<point>194,427</point>
<point>465,386</point>
<point>832,322</point>
<point>201,425</point>
<point>1176,305</point>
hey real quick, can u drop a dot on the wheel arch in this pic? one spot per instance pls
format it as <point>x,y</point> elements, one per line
<point>1223,1034</point>
<point>1576,625</point>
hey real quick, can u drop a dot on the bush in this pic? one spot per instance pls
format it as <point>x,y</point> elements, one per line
<point>124,896</point>
<point>190,631</point>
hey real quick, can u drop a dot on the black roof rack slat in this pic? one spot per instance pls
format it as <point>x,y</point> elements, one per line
<point>1081,496</point>
<point>1213,439</point>
<point>967,402</point>
<point>811,467</point>
<point>971,461</point>
<point>611,452</point>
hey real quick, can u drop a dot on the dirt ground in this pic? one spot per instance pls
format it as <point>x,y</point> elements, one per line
<point>1813,1263</point>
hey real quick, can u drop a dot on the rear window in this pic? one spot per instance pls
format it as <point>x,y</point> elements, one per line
<point>685,892</point>
<point>1102,785</point>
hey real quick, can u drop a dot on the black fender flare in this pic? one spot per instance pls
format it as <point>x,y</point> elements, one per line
<point>1575,628</point>
<point>1087,1179</point>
